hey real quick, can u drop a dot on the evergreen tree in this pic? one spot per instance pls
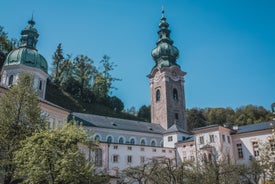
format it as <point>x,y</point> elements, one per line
<point>20,116</point>
<point>83,72</point>
<point>58,60</point>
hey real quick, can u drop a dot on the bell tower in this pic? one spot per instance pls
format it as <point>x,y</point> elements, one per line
<point>167,82</point>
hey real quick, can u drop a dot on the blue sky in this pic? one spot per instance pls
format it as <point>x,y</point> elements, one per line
<point>226,47</point>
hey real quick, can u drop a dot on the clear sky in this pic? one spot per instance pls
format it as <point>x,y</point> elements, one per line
<point>227,47</point>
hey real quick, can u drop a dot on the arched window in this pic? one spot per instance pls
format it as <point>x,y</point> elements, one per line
<point>132,141</point>
<point>175,94</point>
<point>10,80</point>
<point>97,138</point>
<point>153,143</point>
<point>121,140</point>
<point>142,142</point>
<point>98,157</point>
<point>161,143</point>
<point>158,95</point>
<point>109,139</point>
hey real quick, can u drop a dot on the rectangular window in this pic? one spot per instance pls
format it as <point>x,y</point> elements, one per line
<point>255,148</point>
<point>115,147</point>
<point>228,139</point>
<point>129,159</point>
<point>212,138</point>
<point>115,158</point>
<point>170,138</point>
<point>142,159</point>
<point>154,150</point>
<point>272,146</point>
<point>176,116</point>
<point>129,148</point>
<point>98,157</point>
<point>170,151</point>
<point>223,137</point>
<point>201,140</point>
<point>163,151</point>
<point>141,149</point>
<point>240,151</point>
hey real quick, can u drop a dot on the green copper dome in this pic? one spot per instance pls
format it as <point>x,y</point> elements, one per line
<point>165,54</point>
<point>27,53</point>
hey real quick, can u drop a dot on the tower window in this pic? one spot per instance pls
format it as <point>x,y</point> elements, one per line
<point>158,95</point>
<point>10,80</point>
<point>153,143</point>
<point>132,141</point>
<point>175,94</point>
<point>40,85</point>
<point>176,116</point>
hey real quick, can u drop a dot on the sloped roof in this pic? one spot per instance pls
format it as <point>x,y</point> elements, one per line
<point>204,127</point>
<point>187,139</point>
<point>116,123</point>
<point>255,127</point>
<point>175,128</point>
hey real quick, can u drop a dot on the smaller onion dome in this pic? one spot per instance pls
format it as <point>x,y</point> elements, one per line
<point>28,57</point>
<point>27,53</point>
<point>165,54</point>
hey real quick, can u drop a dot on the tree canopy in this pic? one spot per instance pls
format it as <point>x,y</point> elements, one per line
<point>54,157</point>
<point>20,116</point>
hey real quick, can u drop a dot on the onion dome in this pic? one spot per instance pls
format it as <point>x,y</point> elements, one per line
<point>165,54</point>
<point>27,53</point>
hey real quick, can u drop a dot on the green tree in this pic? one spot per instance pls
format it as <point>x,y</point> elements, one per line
<point>5,45</point>
<point>250,114</point>
<point>103,80</point>
<point>116,104</point>
<point>20,116</point>
<point>54,157</point>
<point>83,72</point>
<point>144,112</point>
<point>58,60</point>
<point>195,118</point>
<point>220,116</point>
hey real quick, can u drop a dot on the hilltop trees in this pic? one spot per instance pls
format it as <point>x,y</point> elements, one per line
<point>198,117</point>
<point>83,80</point>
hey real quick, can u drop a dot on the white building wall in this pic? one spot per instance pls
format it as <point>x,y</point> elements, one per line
<point>247,147</point>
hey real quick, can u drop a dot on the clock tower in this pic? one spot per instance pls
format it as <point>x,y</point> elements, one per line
<point>167,82</point>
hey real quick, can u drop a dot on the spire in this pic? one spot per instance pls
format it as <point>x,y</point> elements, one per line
<point>165,54</point>
<point>29,35</point>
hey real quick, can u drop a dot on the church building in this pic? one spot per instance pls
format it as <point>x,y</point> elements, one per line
<point>127,143</point>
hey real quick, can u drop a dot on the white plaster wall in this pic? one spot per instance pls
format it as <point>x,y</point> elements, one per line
<point>246,141</point>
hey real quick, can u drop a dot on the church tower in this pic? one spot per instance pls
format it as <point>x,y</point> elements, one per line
<point>26,58</point>
<point>167,82</point>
